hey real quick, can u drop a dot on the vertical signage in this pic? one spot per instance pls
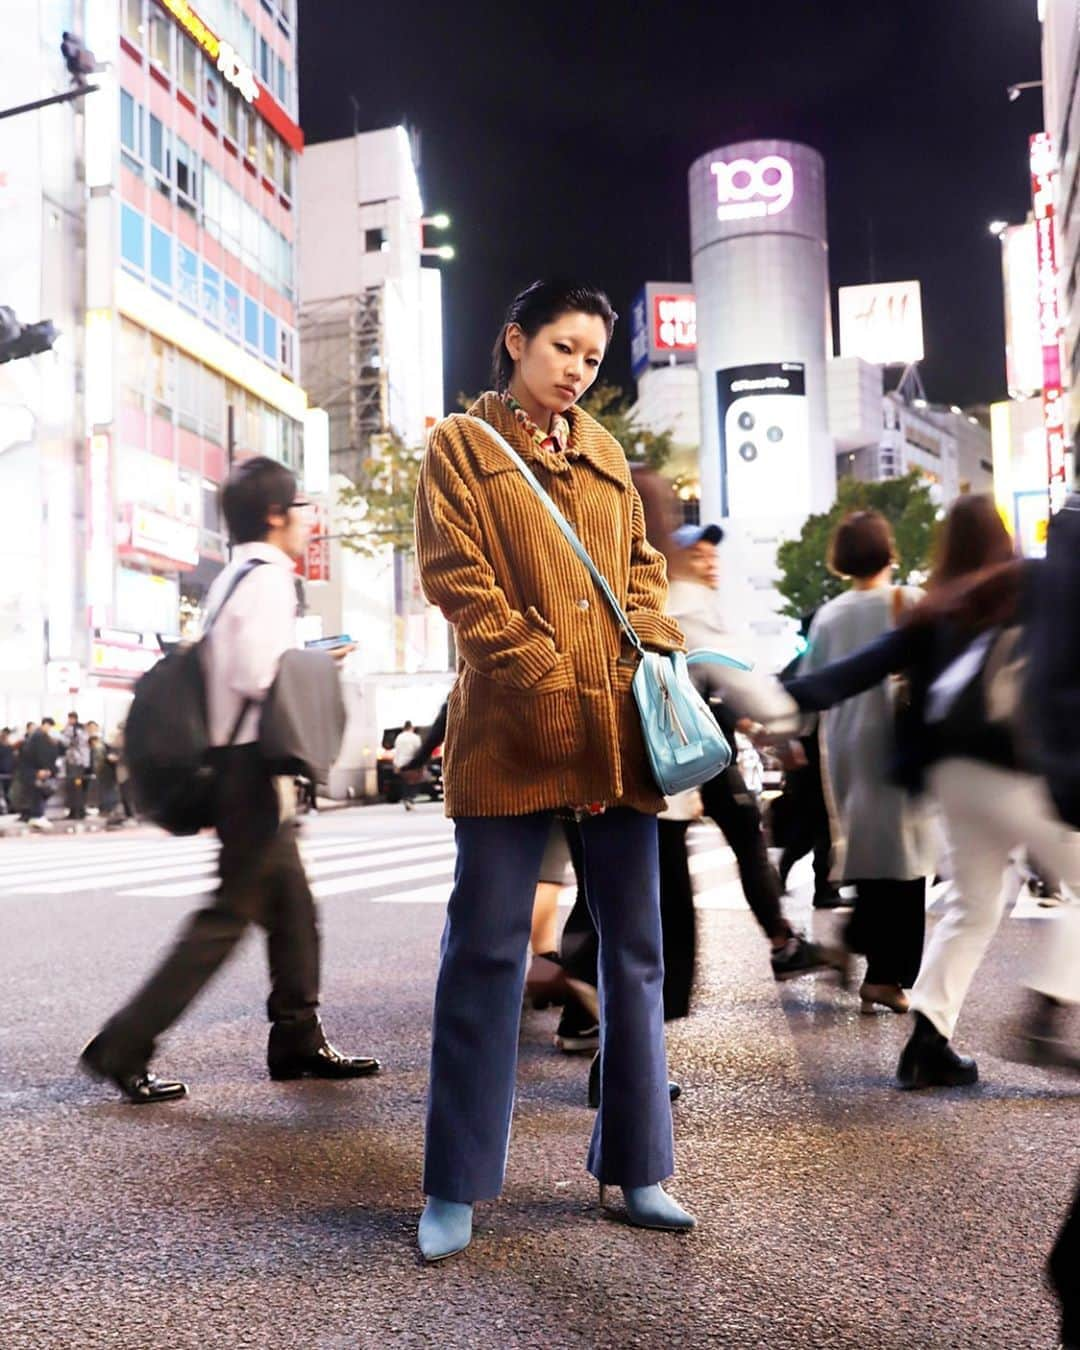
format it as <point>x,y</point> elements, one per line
<point>99,558</point>
<point>1043,185</point>
<point>315,563</point>
<point>764,440</point>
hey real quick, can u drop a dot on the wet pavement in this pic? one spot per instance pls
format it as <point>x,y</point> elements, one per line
<point>833,1210</point>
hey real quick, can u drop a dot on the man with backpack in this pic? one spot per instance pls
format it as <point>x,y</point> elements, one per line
<point>252,609</point>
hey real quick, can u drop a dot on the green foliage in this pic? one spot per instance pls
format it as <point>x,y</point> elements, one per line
<point>806,582</point>
<point>380,505</point>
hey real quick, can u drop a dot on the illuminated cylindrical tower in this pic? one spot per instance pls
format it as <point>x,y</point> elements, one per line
<point>760,273</point>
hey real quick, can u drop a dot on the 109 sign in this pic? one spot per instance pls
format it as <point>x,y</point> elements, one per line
<point>748,188</point>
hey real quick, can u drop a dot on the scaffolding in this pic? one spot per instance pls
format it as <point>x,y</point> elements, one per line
<point>344,364</point>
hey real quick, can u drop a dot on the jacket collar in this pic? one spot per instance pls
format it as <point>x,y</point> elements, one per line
<point>588,441</point>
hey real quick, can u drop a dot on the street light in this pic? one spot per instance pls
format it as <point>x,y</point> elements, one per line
<point>998,227</point>
<point>440,221</point>
<point>1015,90</point>
<point>444,251</point>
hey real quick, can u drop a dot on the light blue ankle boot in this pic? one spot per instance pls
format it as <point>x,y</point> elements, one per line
<point>652,1207</point>
<point>445,1228</point>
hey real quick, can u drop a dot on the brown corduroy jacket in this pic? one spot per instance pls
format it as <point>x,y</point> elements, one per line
<point>541,715</point>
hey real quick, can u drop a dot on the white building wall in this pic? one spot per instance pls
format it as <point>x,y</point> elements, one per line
<point>669,399</point>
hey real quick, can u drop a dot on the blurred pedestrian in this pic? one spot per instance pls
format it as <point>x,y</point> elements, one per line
<point>886,836</point>
<point>76,766</point>
<point>262,877</point>
<point>726,799</point>
<point>35,773</point>
<point>406,745</point>
<point>542,721</point>
<point>959,650</point>
<point>7,770</point>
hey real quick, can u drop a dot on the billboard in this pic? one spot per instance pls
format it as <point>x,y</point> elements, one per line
<point>1023,337</point>
<point>764,440</point>
<point>1043,187</point>
<point>663,326</point>
<point>882,323</point>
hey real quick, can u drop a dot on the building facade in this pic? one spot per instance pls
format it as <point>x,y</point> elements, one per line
<point>184,172</point>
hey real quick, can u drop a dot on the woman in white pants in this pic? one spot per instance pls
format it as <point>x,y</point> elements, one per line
<point>952,741</point>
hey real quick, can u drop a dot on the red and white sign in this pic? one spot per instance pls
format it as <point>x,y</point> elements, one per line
<point>674,321</point>
<point>1043,186</point>
<point>159,539</point>
<point>121,656</point>
<point>315,564</point>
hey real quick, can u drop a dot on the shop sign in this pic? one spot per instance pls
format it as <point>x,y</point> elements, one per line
<point>125,656</point>
<point>675,323</point>
<point>160,538</point>
<point>751,188</point>
<point>316,560</point>
<point>1043,186</point>
<point>882,323</point>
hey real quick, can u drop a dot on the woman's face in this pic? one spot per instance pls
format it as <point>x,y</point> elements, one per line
<point>561,361</point>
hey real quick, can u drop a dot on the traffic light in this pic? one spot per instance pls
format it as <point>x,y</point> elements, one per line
<point>79,60</point>
<point>24,339</point>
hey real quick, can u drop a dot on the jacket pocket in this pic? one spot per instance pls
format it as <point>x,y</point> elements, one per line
<point>540,728</point>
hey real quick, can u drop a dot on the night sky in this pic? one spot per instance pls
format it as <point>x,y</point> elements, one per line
<point>558,138</point>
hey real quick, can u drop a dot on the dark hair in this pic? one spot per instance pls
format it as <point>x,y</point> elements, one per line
<point>251,492</point>
<point>542,303</point>
<point>972,536</point>
<point>45,722</point>
<point>862,545</point>
<point>72,714</point>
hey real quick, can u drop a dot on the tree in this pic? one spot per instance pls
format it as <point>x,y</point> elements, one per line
<point>805,581</point>
<point>613,410</point>
<point>380,506</point>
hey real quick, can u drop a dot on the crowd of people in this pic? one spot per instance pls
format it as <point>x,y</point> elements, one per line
<point>928,767</point>
<point>75,763</point>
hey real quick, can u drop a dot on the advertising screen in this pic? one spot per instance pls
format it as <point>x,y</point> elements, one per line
<point>882,324</point>
<point>764,439</point>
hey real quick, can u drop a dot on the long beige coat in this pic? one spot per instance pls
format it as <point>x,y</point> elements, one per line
<point>541,716</point>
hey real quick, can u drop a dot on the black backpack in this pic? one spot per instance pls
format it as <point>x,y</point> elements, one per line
<point>167,736</point>
<point>1053,691</point>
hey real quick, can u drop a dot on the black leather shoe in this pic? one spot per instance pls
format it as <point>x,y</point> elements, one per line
<point>141,1089</point>
<point>325,1062</point>
<point>829,897</point>
<point>674,1089</point>
<point>928,1060</point>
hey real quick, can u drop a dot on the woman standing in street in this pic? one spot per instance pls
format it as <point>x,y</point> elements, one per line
<point>540,722</point>
<point>888,847</point>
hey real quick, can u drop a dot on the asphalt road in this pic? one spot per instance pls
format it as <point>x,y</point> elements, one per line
<point>834,1211</point>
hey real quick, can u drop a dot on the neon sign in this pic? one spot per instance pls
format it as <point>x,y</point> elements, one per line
<point>675,323</point>
<point>1043,182</point>
<point>748,189</point>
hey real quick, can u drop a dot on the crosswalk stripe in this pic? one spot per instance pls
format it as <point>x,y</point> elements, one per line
<point>371,881</point>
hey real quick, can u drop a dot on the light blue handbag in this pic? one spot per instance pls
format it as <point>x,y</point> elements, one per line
<point>684,744</point>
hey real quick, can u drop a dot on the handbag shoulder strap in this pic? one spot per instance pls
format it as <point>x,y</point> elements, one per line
<point>566,528</point>
<point>241,573</point>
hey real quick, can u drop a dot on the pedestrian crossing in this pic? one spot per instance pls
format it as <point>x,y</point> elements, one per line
<point>413,869</point>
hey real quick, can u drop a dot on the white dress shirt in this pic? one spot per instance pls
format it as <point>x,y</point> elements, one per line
<point>245,645</point>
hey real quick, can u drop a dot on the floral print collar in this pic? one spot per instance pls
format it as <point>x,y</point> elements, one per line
<point>556,440</point>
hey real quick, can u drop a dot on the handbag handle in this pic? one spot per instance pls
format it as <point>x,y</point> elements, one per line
<point>583,555</point>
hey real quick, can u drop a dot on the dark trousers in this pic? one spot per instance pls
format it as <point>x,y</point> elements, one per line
<point>35,798</point>
<point>888,926</point>
<point>1064,1266</point>
<point>809,826</point>
<point>479,991</point>
<point>5,793</point>
<point>579,944</point>
<point>262,881</point>
<point>729,803</point>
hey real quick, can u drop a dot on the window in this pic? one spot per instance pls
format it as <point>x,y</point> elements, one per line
<point>270,146</point>
<point>281,82</point>
<point>213,406</point>
<point>186,176</point>
<point>286,266</point>
<point>252,149</point>
<point>132,18</point>
<point>265,63</point>
<point>131,132</point>
<point>231,214</point>
<point>211,193</point>
<point>289,442</point>
<point>162,377</point>
<point>210,509</point>
<point>270,432</point>
<point>160,258</point>
<point>161,155</point>
<point>211,100</point>
<point>188,63</point>
<point>190,392</point>
<point>232,115</point>
<point>269,253</point>
<point>132,239</point>
<point>286,170</point>
<point>132,355</point>
<point>285,348</point>
<point>270,343</point>
<point>247,41</point>
<point>251,322</point>
<point>251,219</point>
<point>374,241</point>
<point>187,278</point>
<point>161,31</point>
<point>211,294</point>
<point>232,310</point>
